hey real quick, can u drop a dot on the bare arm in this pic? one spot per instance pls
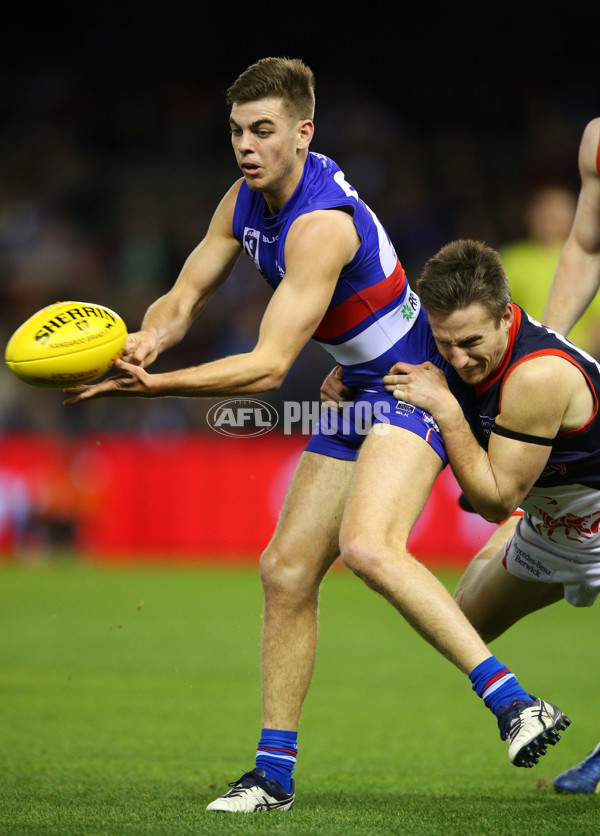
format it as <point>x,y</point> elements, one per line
<point>318,246</point>
<point>539,398</point>
<point>577,277</point>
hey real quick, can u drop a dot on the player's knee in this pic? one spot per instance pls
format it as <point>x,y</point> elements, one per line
<point>284,576</point>
<point>486,631</point>
<point>367,558</point>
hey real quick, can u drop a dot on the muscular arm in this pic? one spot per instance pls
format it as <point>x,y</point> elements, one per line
<point>540,397</point>
<point>318,246</point>
<point>577,277</point>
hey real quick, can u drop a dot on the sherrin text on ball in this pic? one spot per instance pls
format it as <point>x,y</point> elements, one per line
<point>65,344</point>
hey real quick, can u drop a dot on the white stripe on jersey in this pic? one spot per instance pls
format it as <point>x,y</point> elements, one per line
<point>387,253</point>
<point>379,337</point>
<point>565,340</point>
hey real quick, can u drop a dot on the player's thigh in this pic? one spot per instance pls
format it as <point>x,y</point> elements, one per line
<point>394,475</point>
<point>493,599</point>
<point>309,523</point>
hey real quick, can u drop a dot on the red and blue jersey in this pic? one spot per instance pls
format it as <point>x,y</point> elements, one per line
<point>575,456</point>
<point>374,319</point>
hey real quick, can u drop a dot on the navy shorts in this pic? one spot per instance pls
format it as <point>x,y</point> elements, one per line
<point>339,434</point>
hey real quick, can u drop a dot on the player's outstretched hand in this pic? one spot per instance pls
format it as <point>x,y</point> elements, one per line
<point>132,381</point>
<point>333,389</point>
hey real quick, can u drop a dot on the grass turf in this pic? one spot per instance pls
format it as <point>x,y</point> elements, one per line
<point>130,697</point>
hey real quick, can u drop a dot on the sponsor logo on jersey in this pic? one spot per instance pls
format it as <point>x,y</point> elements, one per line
<point>429,419</point>
<point>404,408</point>
<point>576,527</point>
<point>410,307</point>
<point>250,243</point>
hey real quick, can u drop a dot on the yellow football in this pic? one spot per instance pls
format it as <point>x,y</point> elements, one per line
<point>65,344</point>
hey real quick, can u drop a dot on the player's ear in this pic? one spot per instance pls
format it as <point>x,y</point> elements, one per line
<point>506,320</point>
<point>306,131</point>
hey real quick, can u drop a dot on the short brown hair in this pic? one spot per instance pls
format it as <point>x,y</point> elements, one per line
<point>288,79</point>
<point>462,273</point>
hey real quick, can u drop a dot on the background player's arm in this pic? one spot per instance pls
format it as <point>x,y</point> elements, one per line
<point>577,278</point>
<point>318,246</point>
<point>535,399</point>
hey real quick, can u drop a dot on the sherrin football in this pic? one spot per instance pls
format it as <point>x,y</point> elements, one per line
<point>65,344</point>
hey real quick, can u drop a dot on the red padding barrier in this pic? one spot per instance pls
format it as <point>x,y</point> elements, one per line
<point>189,497</point>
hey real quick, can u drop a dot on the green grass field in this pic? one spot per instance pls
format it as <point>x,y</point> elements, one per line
<point>129,697</point>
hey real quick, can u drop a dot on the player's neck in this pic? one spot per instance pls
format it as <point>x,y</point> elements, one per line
<point>278,196</point>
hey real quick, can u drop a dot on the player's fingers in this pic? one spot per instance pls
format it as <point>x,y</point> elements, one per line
<point>127,379</point>
<point>77,394</point>
<point>328,395</point>
<point>390,381</point>
<point>402,368</point>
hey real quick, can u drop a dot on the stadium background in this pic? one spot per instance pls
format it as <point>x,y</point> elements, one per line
<point>114,152</point>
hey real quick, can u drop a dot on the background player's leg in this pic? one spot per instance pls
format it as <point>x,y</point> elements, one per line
<point>493,599</point>
<point>498,539</point>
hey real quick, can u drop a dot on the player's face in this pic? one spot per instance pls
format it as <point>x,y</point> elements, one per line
<point>266,142</point>
<point>471,341</point>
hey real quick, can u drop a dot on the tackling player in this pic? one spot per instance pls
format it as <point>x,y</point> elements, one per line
<point>537,446</point>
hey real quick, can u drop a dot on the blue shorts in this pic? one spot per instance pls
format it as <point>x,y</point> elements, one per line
<point>340,434</point>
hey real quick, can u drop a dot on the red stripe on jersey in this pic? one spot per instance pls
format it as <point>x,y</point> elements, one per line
<point>506,551</point>
<point>361,304</point>
<point>514,330</point>
<point>556,352</point>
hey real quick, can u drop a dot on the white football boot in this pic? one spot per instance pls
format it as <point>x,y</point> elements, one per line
<point>253,793</point>
<point>530,726</point>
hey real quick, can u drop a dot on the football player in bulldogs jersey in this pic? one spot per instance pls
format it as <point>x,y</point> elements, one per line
<point>337,278</point>
<point>535,446</point>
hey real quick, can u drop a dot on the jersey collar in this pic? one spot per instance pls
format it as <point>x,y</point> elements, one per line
<point>502,367</point>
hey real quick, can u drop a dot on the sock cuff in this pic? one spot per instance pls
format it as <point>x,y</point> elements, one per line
<point>488,674</point>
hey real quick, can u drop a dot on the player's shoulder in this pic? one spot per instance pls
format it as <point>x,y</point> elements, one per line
<point>231,195</point>
<point>222,219</point>
<point>591,131</point>
<point>226,206</point>
<point>541,373</point>
<point>589,151</point>
<point>333,225</point>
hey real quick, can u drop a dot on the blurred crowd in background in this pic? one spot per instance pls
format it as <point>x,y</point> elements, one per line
<point>103,196</point>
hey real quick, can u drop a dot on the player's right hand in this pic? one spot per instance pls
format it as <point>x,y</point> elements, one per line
<point>141,348</point>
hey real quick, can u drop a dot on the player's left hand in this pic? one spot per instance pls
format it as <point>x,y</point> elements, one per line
<point>132,381</point>
<point>333,389</point>
<point>423,385</point>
